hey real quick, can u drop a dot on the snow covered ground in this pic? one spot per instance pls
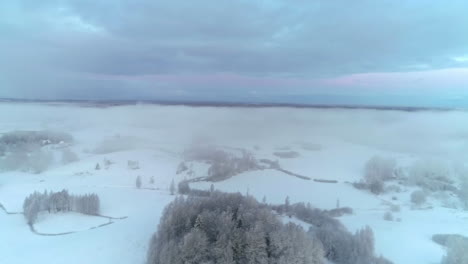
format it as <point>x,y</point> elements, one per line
<point>332,144</point>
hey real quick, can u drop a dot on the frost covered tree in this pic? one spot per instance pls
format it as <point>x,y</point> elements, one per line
<point>342,247</point>
<point>53,202</point>
<point>151,181</point>
<point>183,187</point>
<point>228,229</point>
<point>377,170</point>
<point>432,175</point>
<point>138,182</point>
<point>286,204</point>
<point>172,187</point>
<point>463,191</point>
<point>457,252</point>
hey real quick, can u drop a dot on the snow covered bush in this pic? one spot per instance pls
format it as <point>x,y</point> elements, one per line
<point>388,216</point>
<point>287,154</point>
<point>228,228</point>
<point>62,201</point>
<point>418,197</point>
<point>133,164</point>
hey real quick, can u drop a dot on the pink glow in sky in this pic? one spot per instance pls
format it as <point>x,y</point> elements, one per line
<point>452,79</point>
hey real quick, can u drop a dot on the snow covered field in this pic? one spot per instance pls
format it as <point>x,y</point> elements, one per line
<point>331,144</point>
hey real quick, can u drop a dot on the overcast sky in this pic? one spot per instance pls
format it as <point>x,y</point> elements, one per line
<point>386,51</point>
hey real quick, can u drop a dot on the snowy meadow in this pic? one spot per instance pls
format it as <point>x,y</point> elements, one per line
<point>83,183</point>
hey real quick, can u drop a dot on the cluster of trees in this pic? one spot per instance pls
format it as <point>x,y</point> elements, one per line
<point>62,201</point>
<point>215,227</point>
<point>223,165</point>
<point>339,245</point>
<point>19,139</point>
<point>228,228</point>
<point>457,252</point>
<point>231,165</point>
<point>377,170</point>
<point>431,175</point>
<point>28,151</point>
<point>35,160</point>
<point>463,191</point>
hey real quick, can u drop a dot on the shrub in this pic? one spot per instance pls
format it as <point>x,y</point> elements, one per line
<point>388,216</point>
<point>418,197</point>
<point>286,154</point>
<point>395,208</point>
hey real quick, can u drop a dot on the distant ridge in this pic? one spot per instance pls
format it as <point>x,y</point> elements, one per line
<point>110,103</point>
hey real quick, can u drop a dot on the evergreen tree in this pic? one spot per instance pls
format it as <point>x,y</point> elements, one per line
<point>138,182</point>
<point>172,187</point>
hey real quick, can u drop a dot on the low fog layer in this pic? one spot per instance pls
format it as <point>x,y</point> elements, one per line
<point>439,133</point>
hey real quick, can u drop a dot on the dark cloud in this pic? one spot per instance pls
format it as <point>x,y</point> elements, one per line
<point>52,44</point>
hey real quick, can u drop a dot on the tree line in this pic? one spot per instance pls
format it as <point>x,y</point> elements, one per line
<point>62,201</point>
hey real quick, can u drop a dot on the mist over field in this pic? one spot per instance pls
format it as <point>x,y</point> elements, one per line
<point>97,178</point>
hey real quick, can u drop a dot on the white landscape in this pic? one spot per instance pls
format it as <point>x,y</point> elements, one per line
<point>113,145</point>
